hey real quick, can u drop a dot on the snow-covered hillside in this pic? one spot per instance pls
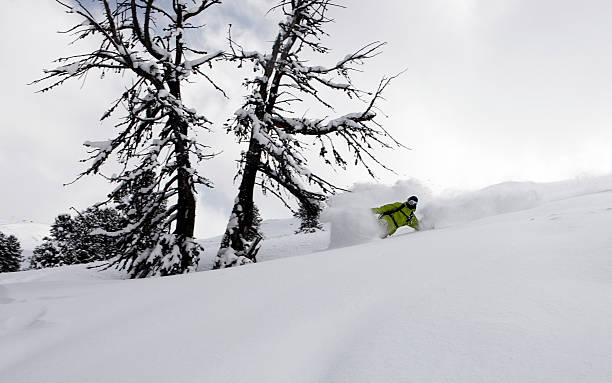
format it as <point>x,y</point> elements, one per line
<point>499,292</point>
<point>29,233</point>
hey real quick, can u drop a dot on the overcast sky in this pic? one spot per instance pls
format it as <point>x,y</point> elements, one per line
<point>494,91</point>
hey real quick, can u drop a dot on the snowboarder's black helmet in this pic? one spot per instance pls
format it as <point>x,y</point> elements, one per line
<point>412,201</point>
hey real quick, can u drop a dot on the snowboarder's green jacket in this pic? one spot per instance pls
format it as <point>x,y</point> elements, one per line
<point>396,215</point>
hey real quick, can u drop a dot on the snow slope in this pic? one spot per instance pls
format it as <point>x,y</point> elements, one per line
<point>29,233</point>
<point>522,296</point>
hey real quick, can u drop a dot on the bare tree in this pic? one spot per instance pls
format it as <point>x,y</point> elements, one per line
<point>277,159</point>
<point>144,40</point>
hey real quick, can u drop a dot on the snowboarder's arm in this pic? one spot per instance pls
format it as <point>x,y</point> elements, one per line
<point>414,223</point>
<point>387,208</point>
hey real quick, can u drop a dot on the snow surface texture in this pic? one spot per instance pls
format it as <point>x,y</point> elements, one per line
<point>522,296</point>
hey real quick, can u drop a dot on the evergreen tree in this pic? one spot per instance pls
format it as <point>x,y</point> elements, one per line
<point>10,253</point>
<point>276,158</point>
<point>130,199</point>
<point>145,42</point>
<point>88,244</point>
<point>46,255</point>
<point>63,234</point>
<point>76,239</point>
<point>308,215</point>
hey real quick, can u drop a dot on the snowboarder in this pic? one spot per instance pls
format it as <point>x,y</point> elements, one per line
<point>394,215</point>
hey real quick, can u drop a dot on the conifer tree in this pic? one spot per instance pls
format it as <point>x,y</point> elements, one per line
<point>308,214</point>
<point>73,240</point>
<point>10,253</point>
<point>276,158</point>
<point>46,255</point>
<point>144,42</point>
<point>130,200</point>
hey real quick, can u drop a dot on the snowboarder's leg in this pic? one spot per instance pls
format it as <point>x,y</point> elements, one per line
<point>392,229</point>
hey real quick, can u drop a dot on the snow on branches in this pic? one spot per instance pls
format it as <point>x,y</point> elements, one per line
<point>277,159</point>
<point>145,40</point>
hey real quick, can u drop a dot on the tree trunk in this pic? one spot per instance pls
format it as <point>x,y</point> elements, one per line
<point>186,203</point>
<point>185,220</point>
<point>235,237</point>
<point>236,247</point>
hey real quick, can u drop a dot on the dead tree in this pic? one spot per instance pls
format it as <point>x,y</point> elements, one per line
<point>144,42</point>
<point>276,158</point>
